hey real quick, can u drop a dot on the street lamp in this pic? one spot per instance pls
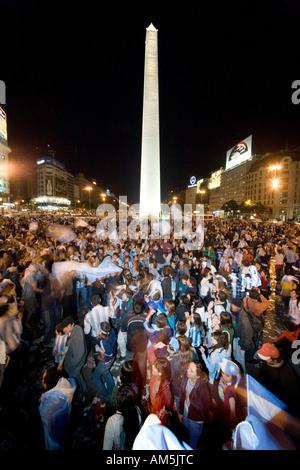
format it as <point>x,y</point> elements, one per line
<point>89,189</point>
<point>202,191</point>
<point>274,182</point>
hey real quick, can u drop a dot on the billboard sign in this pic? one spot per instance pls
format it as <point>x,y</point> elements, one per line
<point>193,182</point>
<point>238,154</point>
<point>3,125</point>
<point>215,180</point>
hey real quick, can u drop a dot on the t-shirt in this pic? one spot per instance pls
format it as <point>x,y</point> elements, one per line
<point>189,388</point>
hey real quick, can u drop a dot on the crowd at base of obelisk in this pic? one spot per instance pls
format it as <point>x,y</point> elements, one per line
<point>122,344</point>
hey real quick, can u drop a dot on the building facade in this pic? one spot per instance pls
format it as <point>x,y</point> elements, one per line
<point>274,180</point>
<point>4,161</point>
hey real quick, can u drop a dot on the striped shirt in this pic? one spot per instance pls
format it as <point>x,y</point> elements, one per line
<point>196,336</point>
<point>59,346</point>
<point>94,317</point>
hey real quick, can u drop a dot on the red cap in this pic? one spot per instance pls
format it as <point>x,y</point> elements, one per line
<point>268,351</point>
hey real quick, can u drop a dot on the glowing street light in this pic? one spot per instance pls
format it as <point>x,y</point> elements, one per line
<point>274,182</point>
<point>89,189</point>
<point>275,167</point>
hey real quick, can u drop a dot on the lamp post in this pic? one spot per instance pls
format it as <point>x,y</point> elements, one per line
<point>89,189</point>
<point>202,191</point>
<point>274,182</point>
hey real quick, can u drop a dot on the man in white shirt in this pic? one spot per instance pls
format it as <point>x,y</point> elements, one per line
<point>93,319</point>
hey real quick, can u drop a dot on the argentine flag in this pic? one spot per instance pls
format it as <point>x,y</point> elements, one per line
<point>267,424</point>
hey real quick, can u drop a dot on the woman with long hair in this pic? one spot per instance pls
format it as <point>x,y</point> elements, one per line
<point>171,313</point>
<point>219,348</point>
<point>194,401</point>
<point>122,428</point>
<point>160,392</point>
<point>225,324</point>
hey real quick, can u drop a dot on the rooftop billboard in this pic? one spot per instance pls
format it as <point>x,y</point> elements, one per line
<point>238,154</point>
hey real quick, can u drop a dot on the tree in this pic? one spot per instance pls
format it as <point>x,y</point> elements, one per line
<point>230,206</point>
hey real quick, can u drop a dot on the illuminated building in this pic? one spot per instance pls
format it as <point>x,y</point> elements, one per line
<point>150,158</point>
<point>233,178</point>
<point>283,198</point>
<point>4,160</point>
<point>52,184</point>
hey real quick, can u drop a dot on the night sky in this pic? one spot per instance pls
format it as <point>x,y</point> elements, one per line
<point>74,81</point>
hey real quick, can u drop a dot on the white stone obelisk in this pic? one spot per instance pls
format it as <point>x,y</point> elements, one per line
<point>150,159</point>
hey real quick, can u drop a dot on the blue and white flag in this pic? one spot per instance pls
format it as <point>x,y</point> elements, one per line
<point>264,406</point>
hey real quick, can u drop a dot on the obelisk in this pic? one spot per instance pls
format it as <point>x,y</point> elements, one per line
<point>150,158</point>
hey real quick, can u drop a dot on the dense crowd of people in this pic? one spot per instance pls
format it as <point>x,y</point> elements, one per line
<point>184,325</point>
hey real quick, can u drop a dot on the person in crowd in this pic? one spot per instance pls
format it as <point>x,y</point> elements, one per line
<point>106,352</point>
<point>137,340</point>
<point>194,402</point>
<point>75,354</point>
<point>160,391</point>
<point>225,324</point>
<point>161,323</point>
<point>182,286</point>
<point>29,294</point>
<point>219,347</point>
<point>294,306</point>
<point>92,321</point>
<point>206,286</point>
<point>256,303</point>
<point>60,343</point>
<point>122,428</point>
<point>196,332</point>
<point>243,333</point>
<point>278,376</point>
<point>290,257</point>
<point>229,405</point>
<point>55,408</point>
<point>284,342</point>
<point>279,263</point>
<point>183,307</point>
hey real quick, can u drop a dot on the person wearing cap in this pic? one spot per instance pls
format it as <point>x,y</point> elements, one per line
<point>228,407</point>
<point>279,377</point>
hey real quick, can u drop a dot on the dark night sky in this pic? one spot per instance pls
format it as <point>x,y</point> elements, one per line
<point>74,80</point>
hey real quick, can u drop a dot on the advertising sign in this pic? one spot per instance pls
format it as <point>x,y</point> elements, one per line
<point>215,180</point>
<point>3,126</point>
<point>238,154</point>
<point>193,182</point>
